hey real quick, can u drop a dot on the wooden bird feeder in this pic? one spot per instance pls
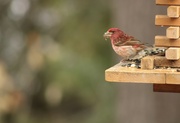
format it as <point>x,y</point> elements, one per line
<point>162,71</point>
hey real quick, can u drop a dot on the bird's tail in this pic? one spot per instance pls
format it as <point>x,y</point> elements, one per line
<point>160,51</point>
<point>156,51</point>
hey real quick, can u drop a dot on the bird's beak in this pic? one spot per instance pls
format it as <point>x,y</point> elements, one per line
<point>107,34</point>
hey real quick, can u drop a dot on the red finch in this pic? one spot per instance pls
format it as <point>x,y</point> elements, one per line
<point>128,47</point>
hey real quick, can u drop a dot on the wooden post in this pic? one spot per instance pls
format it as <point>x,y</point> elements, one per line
<point>173,11</point>
<point>171,40</point>
<point>173,53</point>
<point>172,32</point>
<point>147,62</point>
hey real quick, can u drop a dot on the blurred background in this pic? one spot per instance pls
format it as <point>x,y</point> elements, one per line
<point>53,57</point>
<point>52,62</point>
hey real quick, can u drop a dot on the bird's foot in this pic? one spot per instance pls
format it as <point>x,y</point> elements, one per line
<point>124,63</point>
<point>130,63</point>
<point>135,60</point>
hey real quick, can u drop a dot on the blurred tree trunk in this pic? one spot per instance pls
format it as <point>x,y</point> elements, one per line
<point>137,102</point>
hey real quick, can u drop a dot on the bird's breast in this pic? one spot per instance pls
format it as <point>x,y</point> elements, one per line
<point>125,51</point>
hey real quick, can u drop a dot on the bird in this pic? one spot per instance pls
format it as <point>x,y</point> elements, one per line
<point>130,48</point>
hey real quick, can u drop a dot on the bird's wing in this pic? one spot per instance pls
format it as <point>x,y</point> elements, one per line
<point>136,41</point>
<point>129,42</point>
<point>137,44</point>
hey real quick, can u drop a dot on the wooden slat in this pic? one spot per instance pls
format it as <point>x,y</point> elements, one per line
<point>161,61</point>
<point>124,74</point>
<point>163,41</point>
<point>164,20</point>
<point>135,75</point>
<point>173,53</point>
<point>166,88</point>
<point>168,2</point>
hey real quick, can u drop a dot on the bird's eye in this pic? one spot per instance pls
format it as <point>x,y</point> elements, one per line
<point>112,31</point>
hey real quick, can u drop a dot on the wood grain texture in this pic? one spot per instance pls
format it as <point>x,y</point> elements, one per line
<point>168,2</point>
<point>166,88</point>
<point>173,78</point>
<point>163,41</point>
<point>164,20</point>
<point>134,75</point>
<point>161,61</point>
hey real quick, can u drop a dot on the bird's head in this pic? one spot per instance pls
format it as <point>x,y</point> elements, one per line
<point>111,32</point>
<point>117,36</point>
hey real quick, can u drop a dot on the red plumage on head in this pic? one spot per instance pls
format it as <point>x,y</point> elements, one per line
<point>118,36</point>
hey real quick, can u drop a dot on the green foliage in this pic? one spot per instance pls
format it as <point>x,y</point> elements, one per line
<point>63,58</point>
